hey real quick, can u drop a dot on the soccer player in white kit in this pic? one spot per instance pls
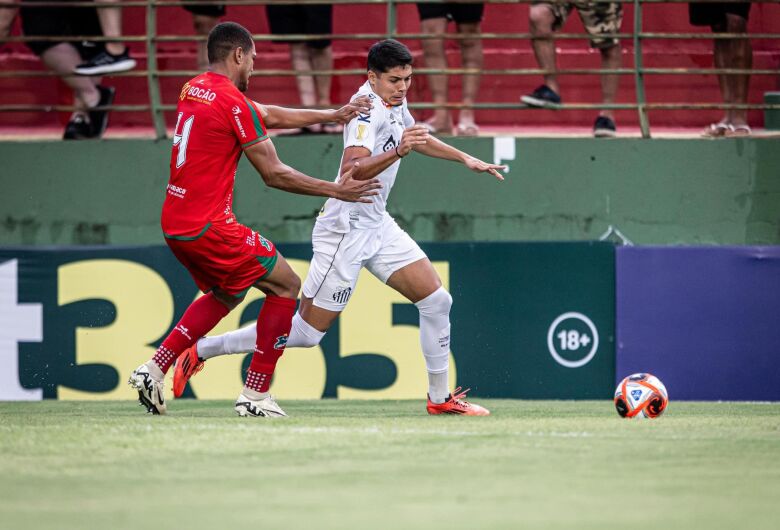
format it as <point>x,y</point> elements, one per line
<point>350,236</point>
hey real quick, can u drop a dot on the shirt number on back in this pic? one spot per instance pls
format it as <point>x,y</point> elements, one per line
<point>180,140</point>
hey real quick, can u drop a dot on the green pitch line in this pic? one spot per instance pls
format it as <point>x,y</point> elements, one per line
<point>385,464</point>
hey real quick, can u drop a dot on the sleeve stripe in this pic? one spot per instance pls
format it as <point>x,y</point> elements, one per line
<point>253,142</point>
<point>259,127</point>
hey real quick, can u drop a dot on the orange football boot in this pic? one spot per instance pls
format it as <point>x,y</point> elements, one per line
<point>455,404</point>
<point>187,365</point>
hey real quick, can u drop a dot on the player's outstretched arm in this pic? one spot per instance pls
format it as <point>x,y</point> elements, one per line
<point>371,166</point>
<point>438,149</point>
<point>287,118</point>
<point>277,174</point>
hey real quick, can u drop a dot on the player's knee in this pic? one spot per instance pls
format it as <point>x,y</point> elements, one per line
<point>437,303</point>
<point>541,19</point>
<point>291,287</point>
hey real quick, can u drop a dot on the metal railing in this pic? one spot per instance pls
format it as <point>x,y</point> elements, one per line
<point>156,107</point>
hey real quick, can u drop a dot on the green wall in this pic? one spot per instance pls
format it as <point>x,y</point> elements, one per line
<point>654,191</point>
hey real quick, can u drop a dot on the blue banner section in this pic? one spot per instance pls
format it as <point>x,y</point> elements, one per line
<point>705,320</point>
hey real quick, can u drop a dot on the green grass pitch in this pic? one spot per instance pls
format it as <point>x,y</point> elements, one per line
<point>386,464</point>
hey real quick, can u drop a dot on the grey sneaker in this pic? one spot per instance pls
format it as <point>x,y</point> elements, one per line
<point>151,394</point>
<point>105,63</point>
<point>264,408</point>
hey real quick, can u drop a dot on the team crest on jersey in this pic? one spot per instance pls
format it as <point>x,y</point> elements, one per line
<point>264,242</point>
<point>184,90</point>
<point>362,131</point>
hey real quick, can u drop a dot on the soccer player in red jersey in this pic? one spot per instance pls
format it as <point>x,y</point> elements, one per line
<point>215,124</point>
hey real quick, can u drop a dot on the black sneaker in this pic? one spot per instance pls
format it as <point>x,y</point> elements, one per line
<point>105,63</point>
<point>78,128</point>
<point>543,97</point>
<point>604,128</point>
<point>99,118</point>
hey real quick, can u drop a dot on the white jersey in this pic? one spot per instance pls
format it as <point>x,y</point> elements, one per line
<point>379,132</point>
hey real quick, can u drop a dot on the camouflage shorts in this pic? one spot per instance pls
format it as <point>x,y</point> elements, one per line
<point>599,18</point>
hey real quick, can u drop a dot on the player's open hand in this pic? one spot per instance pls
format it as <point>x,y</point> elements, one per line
<point>478,166</point>
<point>351,190</point>
<point>359,105</point>
<point>412,137</point>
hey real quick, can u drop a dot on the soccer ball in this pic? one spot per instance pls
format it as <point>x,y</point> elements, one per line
<point>641,396</point>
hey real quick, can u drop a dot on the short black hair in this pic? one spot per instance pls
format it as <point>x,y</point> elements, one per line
<point>226,37</point>
<point>387,54</point>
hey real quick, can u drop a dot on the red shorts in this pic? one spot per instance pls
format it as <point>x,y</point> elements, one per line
<point>232,257</point>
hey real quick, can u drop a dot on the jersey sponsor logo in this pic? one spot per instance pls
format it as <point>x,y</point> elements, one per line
<point>176,191</point>
<point>240,127</point>
<point>362,131</point>
<point>365,118</point>
<point>200,95</point>
<point>389,144</point>
<point>236,110</point>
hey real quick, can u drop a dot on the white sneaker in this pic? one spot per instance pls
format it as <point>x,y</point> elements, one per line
<point>151,394</point>
<point>264,408</point>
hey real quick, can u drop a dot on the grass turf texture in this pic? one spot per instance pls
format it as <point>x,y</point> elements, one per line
<point>386,464</point>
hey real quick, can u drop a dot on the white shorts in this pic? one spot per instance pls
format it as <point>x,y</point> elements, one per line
<point>338,259</point>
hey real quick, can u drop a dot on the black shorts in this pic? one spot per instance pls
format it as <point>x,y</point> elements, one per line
<point>714,14</point>
<point>460,13</point>
<point>209,10</point>
<point>64,22</point>
<point>296,19</point>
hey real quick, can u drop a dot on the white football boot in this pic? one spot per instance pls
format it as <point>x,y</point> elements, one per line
<point>263,408</point>
<point>151,394</point>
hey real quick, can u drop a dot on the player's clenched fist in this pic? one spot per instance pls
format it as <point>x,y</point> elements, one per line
<point>412,137</point>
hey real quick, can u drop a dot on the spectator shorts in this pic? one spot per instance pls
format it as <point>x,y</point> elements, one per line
<point>288,19</point>
<point>597,17</point>
<point>714,14</point>
<point>231,256</point>
<point>64,22</point>
<point>460,13</point>
<point>338,259</point>
<point>209,10</point>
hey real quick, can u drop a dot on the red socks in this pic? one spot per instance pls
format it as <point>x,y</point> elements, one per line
<point>200,318</point>
<point>273,328</point>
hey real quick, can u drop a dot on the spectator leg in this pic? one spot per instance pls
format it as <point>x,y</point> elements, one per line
<point>202,25</point>
<point>301,63</point>
<point>610,58</point>
<point>62,59</point>
<point>7,16</point>
<point>434,54</point>
<point>738,54</point>
<point>111,24</point>
<point>471,52</point>
<point>541,24</point>
<point>322,59</point>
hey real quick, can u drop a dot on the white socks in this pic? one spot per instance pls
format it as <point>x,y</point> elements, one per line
<point>239,341</point>
<point>243,340</point>
<point>435,341</point>
<point>438,387</point>
<point>302,334</point>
